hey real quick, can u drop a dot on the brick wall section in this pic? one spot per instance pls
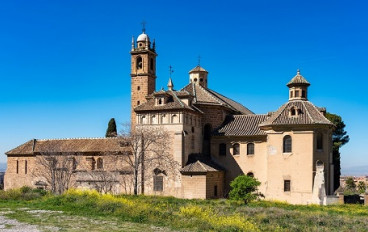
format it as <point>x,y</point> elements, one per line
<point>12,179</point>
<point>147,85</point>
<point>213,115</point>
<point>194,186</point>
<point>214,179</point>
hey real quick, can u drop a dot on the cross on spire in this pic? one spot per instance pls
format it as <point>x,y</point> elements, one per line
<point>171,70</point>
<point>143,26</point>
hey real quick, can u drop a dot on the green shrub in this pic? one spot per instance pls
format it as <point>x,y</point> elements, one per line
<point>244,188</point>
<point>23,193</point>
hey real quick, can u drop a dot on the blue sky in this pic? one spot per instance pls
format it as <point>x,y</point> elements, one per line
<point>64,65</point>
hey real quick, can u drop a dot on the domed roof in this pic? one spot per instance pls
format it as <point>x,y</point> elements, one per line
<point>142,37</point>
<point>198,69</point>
<point>298,80</point>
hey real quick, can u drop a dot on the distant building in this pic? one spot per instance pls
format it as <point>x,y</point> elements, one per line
<point>214,138</point>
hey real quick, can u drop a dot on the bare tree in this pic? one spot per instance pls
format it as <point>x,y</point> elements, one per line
<point>111,173</point>
<point>149,147</point>
<point>56,169</point>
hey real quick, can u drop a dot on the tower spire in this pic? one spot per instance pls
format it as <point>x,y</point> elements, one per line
<point>170,84</point>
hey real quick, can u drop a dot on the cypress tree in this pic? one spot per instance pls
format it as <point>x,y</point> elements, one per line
<point>339,138</point>
<point>111,129</point>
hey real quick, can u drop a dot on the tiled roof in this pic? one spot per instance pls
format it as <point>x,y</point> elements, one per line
<point>206,96</point>
<point>298,79</point>
<point>69,145</point>
<point>198,163</point>
<point>197,167</point>
<point>198,68</point>
<point>242,125</point>
<point>175,104</point>
<point>309,114</point>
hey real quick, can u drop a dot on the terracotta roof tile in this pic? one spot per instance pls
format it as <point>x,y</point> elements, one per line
<point>175,104</point>
<point>298,79</point>
<point>242,125</point>
<point>68,145</point>
<point>207,96</point>
<point>198,68</point>
<point>309,114</point>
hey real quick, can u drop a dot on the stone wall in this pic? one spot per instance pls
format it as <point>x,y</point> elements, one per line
<point>194,186</point>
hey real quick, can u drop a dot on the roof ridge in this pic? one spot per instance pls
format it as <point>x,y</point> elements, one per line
<point>180,102</point>
<point>316,108</point>
<point>306,109</point>
<point>207,91</point>
<point>200,163</point>
<point>79,138</point>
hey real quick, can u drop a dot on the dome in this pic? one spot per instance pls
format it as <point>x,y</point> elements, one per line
<point>142,37</point>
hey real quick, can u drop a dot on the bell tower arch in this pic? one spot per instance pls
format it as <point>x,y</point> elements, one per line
<point>142,72</point>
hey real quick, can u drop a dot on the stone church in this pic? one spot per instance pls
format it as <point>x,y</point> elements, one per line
<point>214,139</point>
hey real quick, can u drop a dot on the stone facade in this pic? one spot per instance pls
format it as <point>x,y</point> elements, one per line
<point>213,140</point>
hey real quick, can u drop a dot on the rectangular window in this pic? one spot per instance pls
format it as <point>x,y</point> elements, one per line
<point>303,93</point>
<point>25,167</point>
<point>215,191</point>
<point>17,167</point>
<point>296,93</point>
<point>287,185</point>
<point>158,183</point>
<point>222,149</point>
<point>291,94</point>
<point>319,141</point>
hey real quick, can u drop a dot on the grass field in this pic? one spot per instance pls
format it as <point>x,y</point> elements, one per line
<point>87,210</point>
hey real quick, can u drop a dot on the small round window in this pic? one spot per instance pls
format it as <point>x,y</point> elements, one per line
<point>195,79</point>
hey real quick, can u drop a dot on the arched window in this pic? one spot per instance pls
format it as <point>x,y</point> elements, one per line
<point>153,119</point>
<point>158,180</point>
<point>99,163</point>
<point>222,149</point>
<point>287,144</point>
<point>236,149</point>
<point>250,149</point>
<point>250,174</point>
<point>143,120</point>
<point>319,141</point>
<point>174,119</point>
<point>292,111</point>
<point>139,62</point>
<point>164,119</point>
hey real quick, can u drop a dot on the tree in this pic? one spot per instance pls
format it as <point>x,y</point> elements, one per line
<point>149,147</point>
<point>339,138</point>
<point>245,188</point>
<point>361,187</point>
<point>56,169</point>
<point>350,184</point>
<point>111,173</point>
<point>111,128</point>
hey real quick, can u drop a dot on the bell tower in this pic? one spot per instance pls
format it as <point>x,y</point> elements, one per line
<point>298,87</point>
<point>142,72</point>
